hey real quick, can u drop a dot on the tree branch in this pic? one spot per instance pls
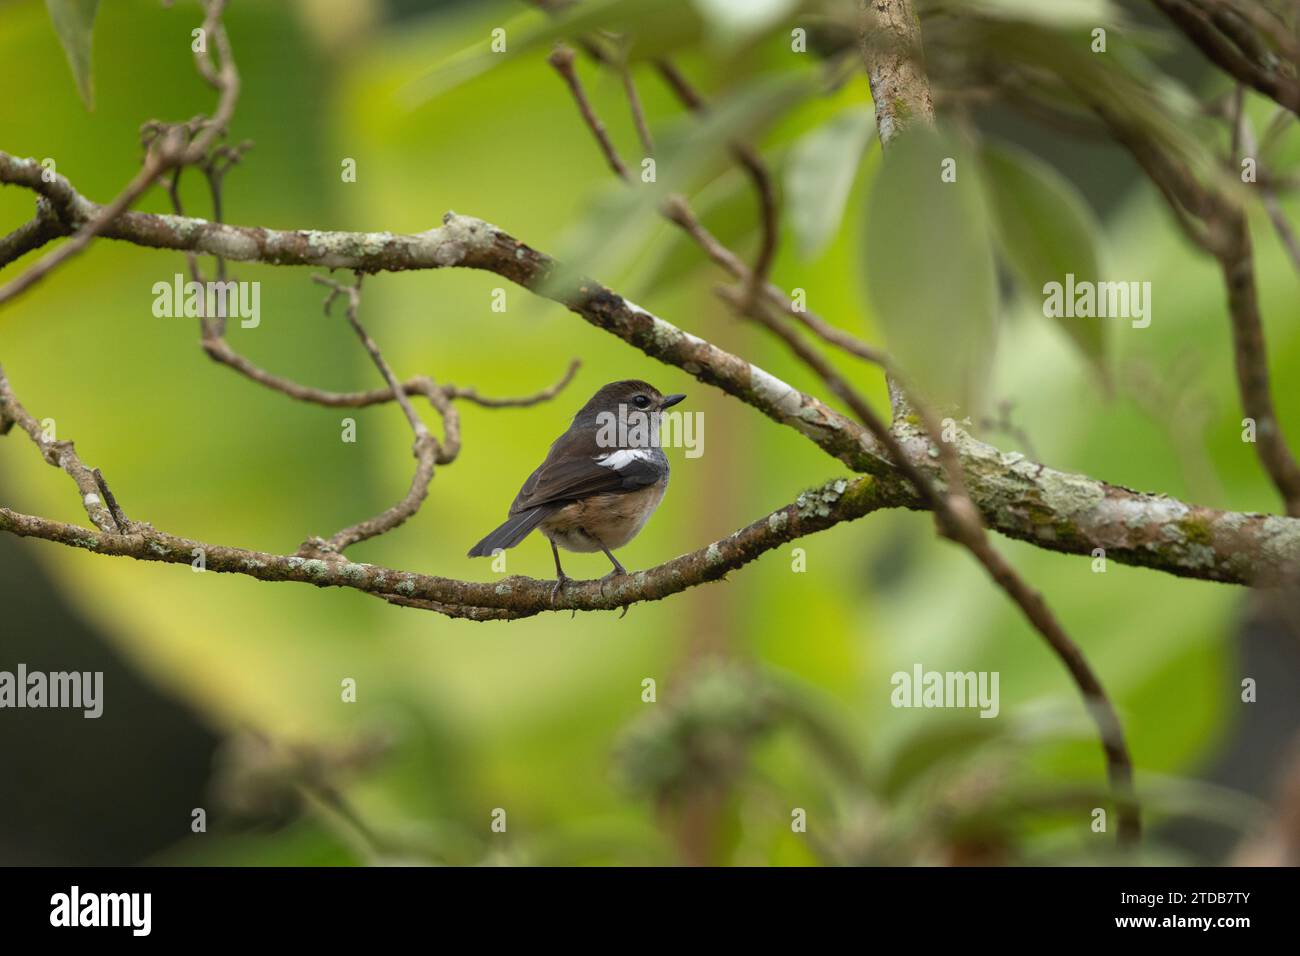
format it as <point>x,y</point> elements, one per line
<point>1055,510</point>
<point>172,145</point>
<point>815,510</point>
<point>1217,223</point>
<point>1223,49</point>
<point>890,35</point>
<point>60,454</point>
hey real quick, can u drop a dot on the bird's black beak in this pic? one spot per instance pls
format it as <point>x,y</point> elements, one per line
<point>670,400</point>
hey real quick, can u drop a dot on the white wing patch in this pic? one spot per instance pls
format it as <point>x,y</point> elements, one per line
<point>620,459</point>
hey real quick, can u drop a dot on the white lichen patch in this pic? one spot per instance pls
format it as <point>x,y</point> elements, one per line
<point>457,235</point>
<point>1069,495</point>
<point>315,568</point>
<point>1281,544</point>
<point>784,398</point>
<point>665,335</point>
<point>820,501</point>
<point>233,244</point>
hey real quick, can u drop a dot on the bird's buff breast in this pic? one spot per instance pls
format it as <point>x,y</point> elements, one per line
<point>610,520</point>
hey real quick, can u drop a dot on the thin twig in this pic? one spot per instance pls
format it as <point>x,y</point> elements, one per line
<point>1243,134</point>
<point>60,454</point>
<point>119,517</point>
<point>425,448</point>
<point>750,160</point>
<point>168,149</point>
<point>562,58</point>
<point>638,111</point>
<point>1217,223</point>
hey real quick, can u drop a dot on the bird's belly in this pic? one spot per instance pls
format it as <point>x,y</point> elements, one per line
<point>603,521</point>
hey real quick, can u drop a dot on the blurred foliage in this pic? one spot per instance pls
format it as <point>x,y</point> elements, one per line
<point>74,22</point>
<point>774,686</point>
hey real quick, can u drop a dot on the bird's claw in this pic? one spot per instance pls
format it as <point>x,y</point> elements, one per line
<point>560,582</point>
<point>618,572</point>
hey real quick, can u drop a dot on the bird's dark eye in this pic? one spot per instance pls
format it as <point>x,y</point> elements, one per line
<point>641,401</point>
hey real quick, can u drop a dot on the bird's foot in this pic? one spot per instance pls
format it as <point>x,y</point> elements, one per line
<point>560,582</point>
<point>618,571</point>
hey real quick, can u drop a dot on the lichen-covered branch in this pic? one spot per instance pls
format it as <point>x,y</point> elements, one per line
<point>170,146</point>
<point>836,501</point>
<point>59,453</point>
<point>890,35</point>
<point>1017,497</point>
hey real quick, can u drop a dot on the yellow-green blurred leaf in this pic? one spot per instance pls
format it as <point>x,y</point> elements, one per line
<point>929,270</point>
<point>74,22</point>
<point>1045,230</point>
<point>820,174</point>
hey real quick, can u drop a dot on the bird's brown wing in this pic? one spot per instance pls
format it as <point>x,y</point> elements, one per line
<point>566,477</point>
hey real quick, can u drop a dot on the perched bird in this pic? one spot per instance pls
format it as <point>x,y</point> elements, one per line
<point>601,481</point>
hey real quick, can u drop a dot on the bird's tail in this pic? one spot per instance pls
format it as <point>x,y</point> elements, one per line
<point>512,531</point>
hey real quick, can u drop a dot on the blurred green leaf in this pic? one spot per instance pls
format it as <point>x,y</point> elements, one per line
<point>1045,230</point>
<point>929,270</point>
<point>1135,92</point>
<point>733,21</point>
<point>820,175</point>
<point>74,22</point>
<point>620,221</point>
<point>1088,13</point>
<point>936,745</point>
<point>659,26</point>
<point>728,208</point>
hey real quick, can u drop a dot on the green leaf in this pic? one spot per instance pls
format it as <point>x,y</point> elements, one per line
<point>929,270</point>
<point>74,22</point>
<point>943,743</point>
<point>733,21</point>
<point>820,175</point>
<point>728,208</point>
<point>1045,230</point>
<point>659,27</point>
<point>1069,13</point>
<point>621,220</point>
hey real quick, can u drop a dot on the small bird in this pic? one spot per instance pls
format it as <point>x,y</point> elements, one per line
<point>601,481</point>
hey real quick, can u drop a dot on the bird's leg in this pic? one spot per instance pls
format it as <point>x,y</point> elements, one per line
<point>561,578</point>
<point>618,568</point>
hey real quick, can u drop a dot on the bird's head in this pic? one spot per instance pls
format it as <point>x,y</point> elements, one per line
<point>624,405</point>
<point>630,395</point>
